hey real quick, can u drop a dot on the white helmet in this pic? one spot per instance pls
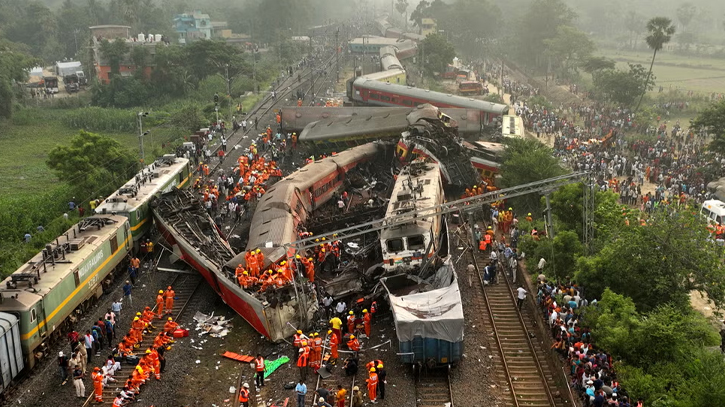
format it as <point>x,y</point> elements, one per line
<point>245,385</point>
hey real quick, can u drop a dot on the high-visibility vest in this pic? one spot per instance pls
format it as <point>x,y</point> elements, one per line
<point>259,362</point>
<point>243,395</point>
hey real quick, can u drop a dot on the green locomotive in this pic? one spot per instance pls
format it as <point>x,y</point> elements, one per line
<point>63,279</point>
<point>132,199</point>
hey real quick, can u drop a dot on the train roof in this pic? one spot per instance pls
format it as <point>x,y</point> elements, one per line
<point>417,187</point>
<point>382,75</point>
<point>383,41</point>
<point>80,243</point>
<point>147,183</point>
<point>432,96</point>
<point>273,221</point>
<point>384,123</point>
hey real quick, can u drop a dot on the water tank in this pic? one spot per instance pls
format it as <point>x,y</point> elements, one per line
<point>157,37</point>
<point>141,37</point>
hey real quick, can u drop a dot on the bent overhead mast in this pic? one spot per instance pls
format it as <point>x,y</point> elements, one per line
<point>466,204</point>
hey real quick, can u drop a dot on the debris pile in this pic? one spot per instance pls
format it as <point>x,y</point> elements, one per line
<point>216,327</point>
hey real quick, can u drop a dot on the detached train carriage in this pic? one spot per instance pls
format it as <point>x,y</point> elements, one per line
<point>132,199</point>
<point>340,134</point>
<point>429,323</point>
<point>11,352</point>
<point>512,126</point>
<point>372,92</point>
<point>372,45</point>
<point>66,275</point>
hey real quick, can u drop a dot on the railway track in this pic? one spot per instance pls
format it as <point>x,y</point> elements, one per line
<point>283,90</point>
<point>184,286</point>
<point>530,382</point>
<point>434,389</point>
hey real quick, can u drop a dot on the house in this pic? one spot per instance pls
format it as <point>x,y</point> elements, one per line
<point>193,26</point>
<point>427,26</point>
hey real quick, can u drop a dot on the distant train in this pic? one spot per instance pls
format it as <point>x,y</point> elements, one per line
<point>63,279</point>
<point>418,186</point>
<point>371,92</point>
<point>387,30</point>
<point>371,45</point>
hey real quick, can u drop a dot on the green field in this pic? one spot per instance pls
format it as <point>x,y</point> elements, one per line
<point>699,74</point>
<point>25,150</point>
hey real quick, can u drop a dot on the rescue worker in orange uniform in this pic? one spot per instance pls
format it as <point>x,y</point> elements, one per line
<point>160,304</point>
<point>297,342</point>
<point>367,321</point>
<point>304,354</point>
<point>353,344</point>
<point>253,266</point>
<point>147,317</point>
<point>260,259</point>
<point>316,350</point>
<point>170,326</point>
<point>244,395</point>
<point>310,269</point>
<point>334,343</point>
<point>137,329</point>
<point>169,294</point>
<point>97,378</point>
<point>259,366</point>
<point>153,359</point>
<point>246,281</point>
<point>372,384</point>
<point>351,322</point>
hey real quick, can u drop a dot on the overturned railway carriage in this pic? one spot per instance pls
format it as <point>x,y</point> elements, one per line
<point>419,186</point>
<point>67,275</point>
<point>132,199</point>
<point>363,90</point>
<point>191,233</point>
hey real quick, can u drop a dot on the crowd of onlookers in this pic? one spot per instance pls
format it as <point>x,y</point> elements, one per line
<point>591,371</point>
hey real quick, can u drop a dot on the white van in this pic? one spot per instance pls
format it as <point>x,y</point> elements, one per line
<point>714,211</point>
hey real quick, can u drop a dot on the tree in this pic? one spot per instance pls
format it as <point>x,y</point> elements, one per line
<point>540,23</point>
<point>634,23</point>
<point>570,48</point>
<point>595,65</point>
<point>14,63</point>
<point>713,120</point>
<point>438,53</point>
<point>94,164</point>
<point>114,52</point>
<point>524,161</point>
<point>622,87</point>
<point>660,31</point>
<point>402,7</point>
<point>685,13</point>
<point>419,13</point>
<point>658,263</point>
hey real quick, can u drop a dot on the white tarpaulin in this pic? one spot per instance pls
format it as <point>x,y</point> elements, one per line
<point>436,314</point>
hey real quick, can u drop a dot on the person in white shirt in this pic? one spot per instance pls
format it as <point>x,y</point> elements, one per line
<point>521,294</point>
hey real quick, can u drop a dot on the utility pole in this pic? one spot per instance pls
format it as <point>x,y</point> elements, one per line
<point>500,88</point>
<point>141,133</point>
<point>337,55</point>
<point>229,90</point>
<point>312,69</point>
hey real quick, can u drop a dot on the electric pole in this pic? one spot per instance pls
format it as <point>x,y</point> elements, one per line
<point>141,133</point>
<point>337,55</point>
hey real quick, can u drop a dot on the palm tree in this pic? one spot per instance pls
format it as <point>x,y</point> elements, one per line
<point>660,31</point>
